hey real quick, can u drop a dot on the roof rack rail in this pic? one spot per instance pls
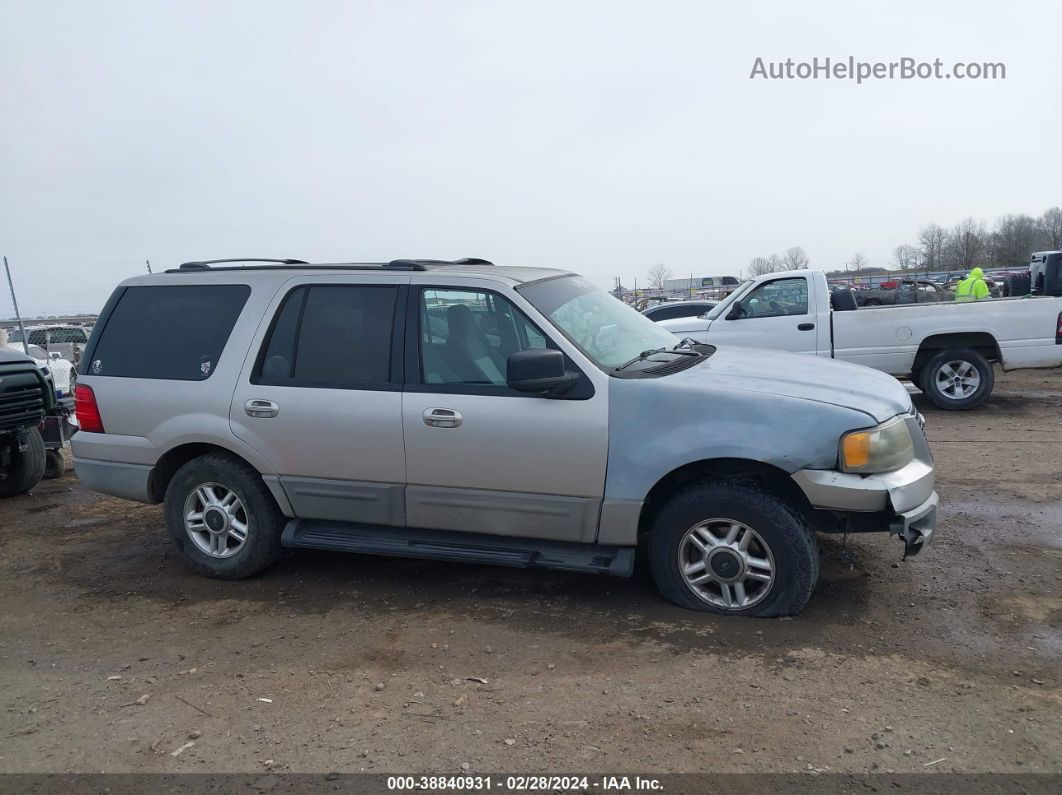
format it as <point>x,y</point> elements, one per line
<point>394,265</point>
<point>206,263</point>
<point>422,264</point>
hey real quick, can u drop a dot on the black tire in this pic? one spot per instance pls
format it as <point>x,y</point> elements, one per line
<point>941,399</point>
<point>264,521</point>
<point>781,528</point>
<point>1017,284</point>
<point>54,464</point>
<point>27,467</point>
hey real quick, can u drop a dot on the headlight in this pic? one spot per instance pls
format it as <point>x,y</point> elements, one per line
<point>880,449</point>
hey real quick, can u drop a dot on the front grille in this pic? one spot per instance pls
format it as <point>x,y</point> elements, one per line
<point>21,401</point>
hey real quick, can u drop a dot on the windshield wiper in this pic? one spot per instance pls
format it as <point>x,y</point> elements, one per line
<point>640,357</point>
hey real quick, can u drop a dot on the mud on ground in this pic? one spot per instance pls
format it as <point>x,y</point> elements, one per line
<point>113,654</point>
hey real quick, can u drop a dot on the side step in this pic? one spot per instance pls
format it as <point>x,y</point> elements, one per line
<point>459,547</point>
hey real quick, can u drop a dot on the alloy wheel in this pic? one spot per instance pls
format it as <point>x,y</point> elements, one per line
<point>726,564</point>
<point>216,520</point>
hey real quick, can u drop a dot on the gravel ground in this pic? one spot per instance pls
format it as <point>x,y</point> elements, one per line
<point>114,656</point>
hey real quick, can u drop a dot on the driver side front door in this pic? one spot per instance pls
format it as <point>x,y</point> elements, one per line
<point>481,457</point>
<point>778,314</point>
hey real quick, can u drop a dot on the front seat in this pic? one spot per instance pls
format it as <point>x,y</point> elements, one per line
<point>466,351</point>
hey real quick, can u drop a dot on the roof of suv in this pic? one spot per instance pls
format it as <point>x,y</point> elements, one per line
<point>462,267</point>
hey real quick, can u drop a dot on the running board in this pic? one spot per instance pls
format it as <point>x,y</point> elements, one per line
<point>492,550</point>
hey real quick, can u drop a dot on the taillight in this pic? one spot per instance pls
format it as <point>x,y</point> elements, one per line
<point>1058,330</point>
<point>86,409</point>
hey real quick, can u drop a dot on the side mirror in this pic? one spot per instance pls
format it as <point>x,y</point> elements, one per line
<point>538,370</point>
<point>735,311</point>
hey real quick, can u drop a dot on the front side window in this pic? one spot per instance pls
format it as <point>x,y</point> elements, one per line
<point>467,336</point>
<point>330,336</point>
<point>780,298</point>
<point>174,333</point>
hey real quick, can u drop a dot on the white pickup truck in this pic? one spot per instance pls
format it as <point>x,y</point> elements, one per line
<point>946,349</point>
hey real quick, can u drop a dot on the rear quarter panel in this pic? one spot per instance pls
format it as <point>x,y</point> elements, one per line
<point>146,417</point>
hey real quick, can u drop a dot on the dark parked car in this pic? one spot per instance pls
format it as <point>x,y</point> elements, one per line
<point>677,309</point>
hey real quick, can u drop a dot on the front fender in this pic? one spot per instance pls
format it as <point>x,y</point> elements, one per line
<point>656,427</point>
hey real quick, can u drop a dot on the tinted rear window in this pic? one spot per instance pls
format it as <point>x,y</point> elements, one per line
<point>331,336</point>
<point>174,333</point>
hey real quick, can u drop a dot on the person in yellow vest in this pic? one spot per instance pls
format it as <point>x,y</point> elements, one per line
<point>973,287</point>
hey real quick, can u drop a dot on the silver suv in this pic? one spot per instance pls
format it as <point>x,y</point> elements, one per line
<point>466,412</point>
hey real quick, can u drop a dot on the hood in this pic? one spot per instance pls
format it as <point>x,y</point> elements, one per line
<point>801,375</point>
<point>977,273</point>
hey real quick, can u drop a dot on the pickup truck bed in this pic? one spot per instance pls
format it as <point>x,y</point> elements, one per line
<point>947,349</point>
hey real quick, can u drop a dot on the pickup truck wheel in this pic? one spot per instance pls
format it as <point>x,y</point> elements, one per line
<point>54,464</point>
<point>957,379</point>
<point>222,517</point>
<point>733,547</point>
<point>26,467</point>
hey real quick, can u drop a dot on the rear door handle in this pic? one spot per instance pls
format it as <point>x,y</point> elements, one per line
<point>443,418</point>
<point>805,327</point>
<point>261,408</point>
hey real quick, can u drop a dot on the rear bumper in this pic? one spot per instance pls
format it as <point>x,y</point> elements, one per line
<point>114,464</point>
<point>129,481</point>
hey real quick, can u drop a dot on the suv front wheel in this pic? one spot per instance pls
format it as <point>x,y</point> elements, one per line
<point>223,518</point>
<point>733,547</point>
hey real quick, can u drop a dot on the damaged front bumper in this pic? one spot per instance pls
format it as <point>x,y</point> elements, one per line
<point>903,502</point>
<point>916,527</point>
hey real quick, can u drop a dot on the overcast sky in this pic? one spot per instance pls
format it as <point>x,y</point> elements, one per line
<point>598,136</point>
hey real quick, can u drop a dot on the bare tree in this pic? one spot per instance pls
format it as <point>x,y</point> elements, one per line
<point>966,244</point>
<point>857,261</point>
<point>1014,239</point>
<point>932,239</point>
<point>658,276</point>
<point>758,266</point>
<point>1051,227</point>
<point>907,257</point>
<point>795,259</point>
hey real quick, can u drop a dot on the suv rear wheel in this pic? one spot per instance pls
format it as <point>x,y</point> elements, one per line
<point>223,518</point>
<point>735,548</point>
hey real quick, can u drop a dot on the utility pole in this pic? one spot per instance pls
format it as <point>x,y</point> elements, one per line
<point>18,317</point>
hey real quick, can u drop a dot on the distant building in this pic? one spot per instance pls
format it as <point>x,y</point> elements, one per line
<point>700,283</point>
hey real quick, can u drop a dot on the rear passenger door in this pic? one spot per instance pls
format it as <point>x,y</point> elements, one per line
<point>320,397</point>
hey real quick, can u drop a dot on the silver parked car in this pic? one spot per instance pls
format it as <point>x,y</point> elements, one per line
<point>467,412</point>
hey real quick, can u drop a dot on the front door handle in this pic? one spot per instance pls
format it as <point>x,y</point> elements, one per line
<point>805,327</point>
<point>442,418</point>
<point>261,408</point>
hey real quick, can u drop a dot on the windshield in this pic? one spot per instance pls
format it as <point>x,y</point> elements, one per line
<point>604,328</point>
<point>724,306</point>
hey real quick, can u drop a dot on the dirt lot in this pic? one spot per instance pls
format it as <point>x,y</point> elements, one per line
<point>113,655</point>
